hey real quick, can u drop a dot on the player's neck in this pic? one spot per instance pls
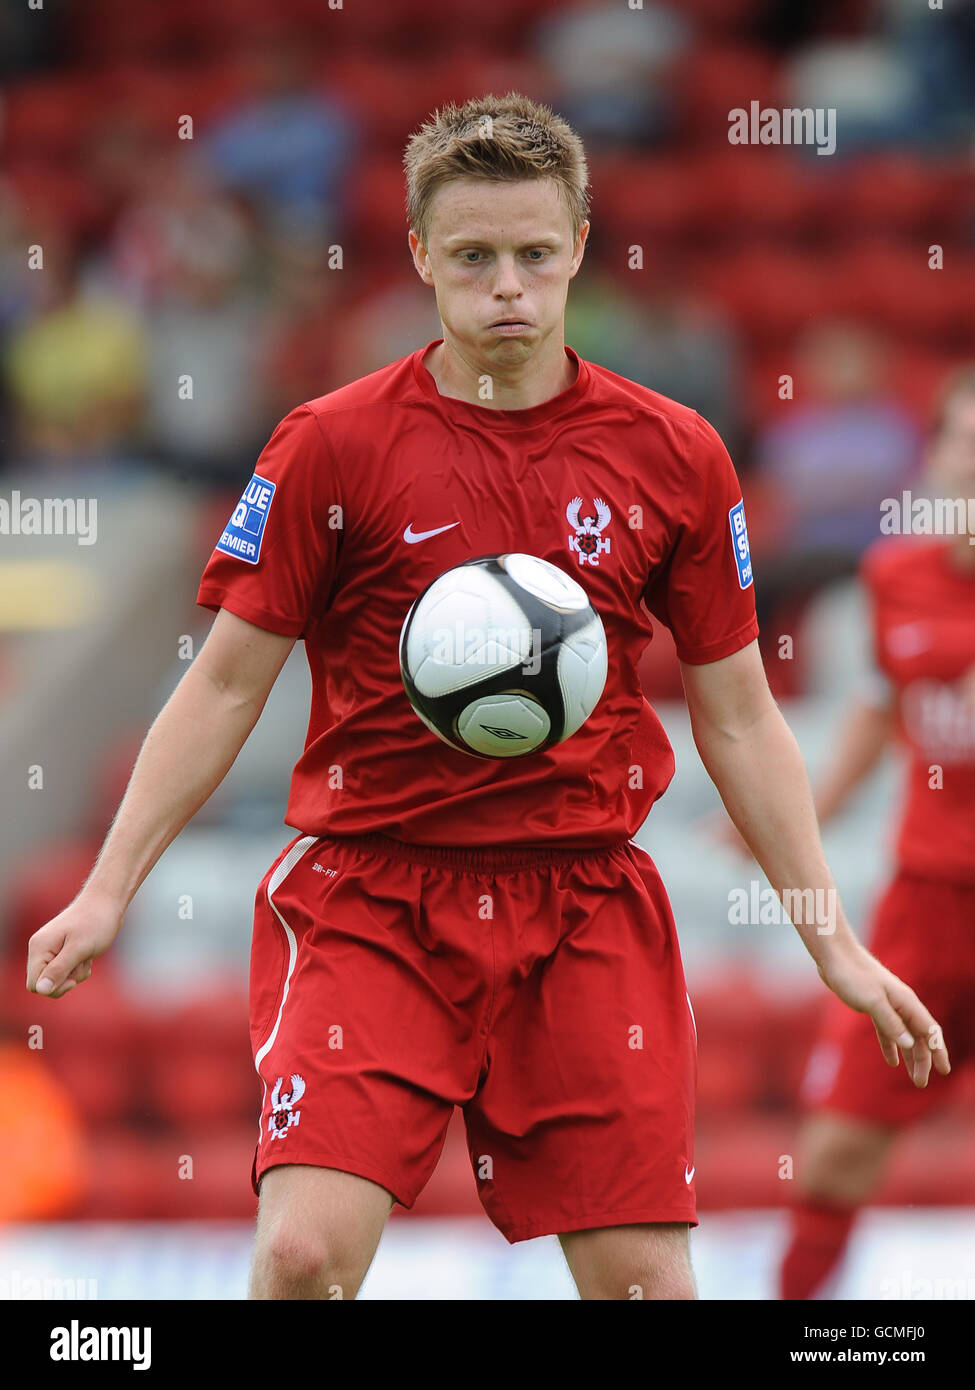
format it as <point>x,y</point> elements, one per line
<point>519,388</point>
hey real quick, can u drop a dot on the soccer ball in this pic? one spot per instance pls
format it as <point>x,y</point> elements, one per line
<point>503,656</point>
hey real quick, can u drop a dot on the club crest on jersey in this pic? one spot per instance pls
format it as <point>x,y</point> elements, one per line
<point>283,1113</point>
<point>245,529</point>
<point>587,541</point>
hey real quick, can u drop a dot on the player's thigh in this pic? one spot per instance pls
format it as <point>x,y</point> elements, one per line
<point>632,1262</point>
<point>842,1156</point>
<point>312,1220</point>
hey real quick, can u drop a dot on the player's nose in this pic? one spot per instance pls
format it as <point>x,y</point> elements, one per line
<point>506,283</point>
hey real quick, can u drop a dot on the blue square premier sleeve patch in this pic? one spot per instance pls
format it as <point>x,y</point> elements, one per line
<point>245,529</point>
<point>739,542</point>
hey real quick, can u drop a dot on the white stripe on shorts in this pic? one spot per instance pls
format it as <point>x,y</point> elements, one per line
<point>277,878</point>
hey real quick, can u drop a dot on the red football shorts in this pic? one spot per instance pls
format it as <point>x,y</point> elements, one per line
<point>542,991</point>
<point>924,931</point>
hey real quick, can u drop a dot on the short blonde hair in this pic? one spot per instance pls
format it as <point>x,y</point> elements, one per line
<point>501,138</point>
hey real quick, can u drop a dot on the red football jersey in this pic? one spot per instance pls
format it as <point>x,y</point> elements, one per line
<point>924,642</point>
<point>363,497</point>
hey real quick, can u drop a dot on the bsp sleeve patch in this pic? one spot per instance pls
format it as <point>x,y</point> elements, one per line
<point>739,543</point>
<point>245,529</point>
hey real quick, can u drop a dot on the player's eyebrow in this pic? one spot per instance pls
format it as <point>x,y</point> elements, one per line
<point>458,239</point>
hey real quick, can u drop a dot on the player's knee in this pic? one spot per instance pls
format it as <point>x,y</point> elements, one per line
<point>290,1255</point>
<point>304,1263</point>
<point>317,1230</point>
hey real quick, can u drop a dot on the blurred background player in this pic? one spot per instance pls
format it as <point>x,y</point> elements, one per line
<point>921,592</point>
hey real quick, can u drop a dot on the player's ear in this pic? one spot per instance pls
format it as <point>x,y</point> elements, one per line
<point>579,250</point>
<point>420,258</point>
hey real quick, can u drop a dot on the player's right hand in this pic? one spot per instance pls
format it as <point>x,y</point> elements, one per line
<point>60,954</point>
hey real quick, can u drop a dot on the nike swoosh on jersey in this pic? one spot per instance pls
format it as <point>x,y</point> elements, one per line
<point>411,537</point>
<point>689,1174</point>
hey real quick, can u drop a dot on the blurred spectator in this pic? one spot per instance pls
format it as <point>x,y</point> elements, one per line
<point>19,290</point>
<point>76,373</point>
<point>872,87</point>
<point>940,48</point>
<point>844,446</point>
<point>307,327</point>
<point>287,146</point>
<point>387,324</point>
<point>20,287</point>
<point>169,205</point>
<point>690,352</point>
<point>601,322</point>
<point>610,64</point>
<point>206,411</point>
<point>129,165</point>
<point>665,339</point>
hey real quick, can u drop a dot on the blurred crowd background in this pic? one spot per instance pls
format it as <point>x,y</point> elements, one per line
<point>265,257</point>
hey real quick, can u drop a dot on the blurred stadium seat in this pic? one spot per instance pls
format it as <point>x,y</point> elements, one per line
<point>714,79</point>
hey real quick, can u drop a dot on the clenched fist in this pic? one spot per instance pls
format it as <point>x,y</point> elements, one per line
<point>60,954</point>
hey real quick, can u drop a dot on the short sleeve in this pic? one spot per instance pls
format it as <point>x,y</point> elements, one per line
<point>275,562</point>
<point>704,591</point>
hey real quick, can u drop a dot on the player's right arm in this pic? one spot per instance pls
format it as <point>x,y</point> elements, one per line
<point>186,755</point>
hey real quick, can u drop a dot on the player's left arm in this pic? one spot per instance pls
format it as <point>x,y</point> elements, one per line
<point>754,761</point>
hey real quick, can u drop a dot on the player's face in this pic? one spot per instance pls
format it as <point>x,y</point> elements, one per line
<point>500,258</point>
<point>951,460</point>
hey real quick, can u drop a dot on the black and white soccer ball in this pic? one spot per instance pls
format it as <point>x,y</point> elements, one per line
<point>503,656</point>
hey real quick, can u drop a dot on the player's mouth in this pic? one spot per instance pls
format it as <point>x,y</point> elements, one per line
<point>510,327</point>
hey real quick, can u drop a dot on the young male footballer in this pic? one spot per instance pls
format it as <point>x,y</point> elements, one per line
<point>447,930</point>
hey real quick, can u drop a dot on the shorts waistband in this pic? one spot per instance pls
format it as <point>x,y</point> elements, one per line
<point>474,860</point>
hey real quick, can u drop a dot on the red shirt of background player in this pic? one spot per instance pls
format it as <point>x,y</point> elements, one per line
<point>923,611</point>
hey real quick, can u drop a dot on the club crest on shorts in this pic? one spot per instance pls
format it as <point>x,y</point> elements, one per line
<point>588,542</point>
<point>283,1113</point>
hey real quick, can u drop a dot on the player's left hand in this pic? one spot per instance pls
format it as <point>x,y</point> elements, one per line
<point>901,1020</point>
